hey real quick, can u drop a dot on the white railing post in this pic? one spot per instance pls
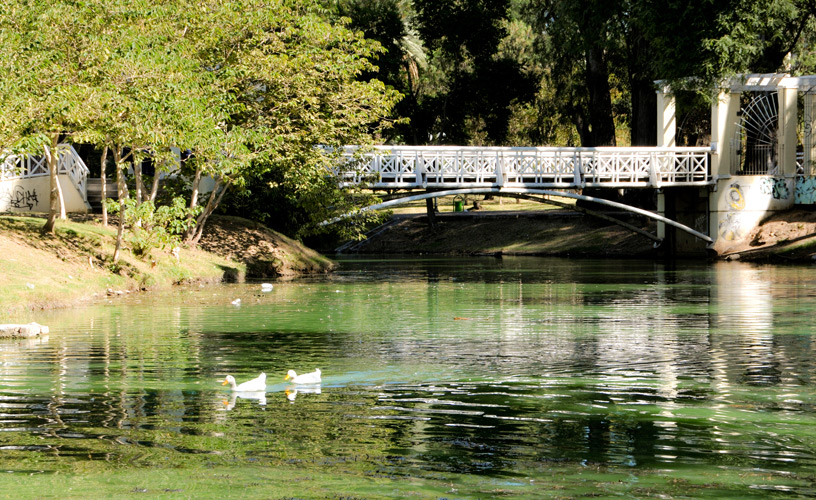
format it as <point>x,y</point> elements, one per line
<point>577,167</point>
<point>499,169</point>
<point>419,168</point>
<point>653,169</point>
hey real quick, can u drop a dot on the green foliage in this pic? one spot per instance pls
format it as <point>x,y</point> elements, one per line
<point>253,87</point>
<point>471,86</point>
<point>247,86</point>
<point>153,227</point>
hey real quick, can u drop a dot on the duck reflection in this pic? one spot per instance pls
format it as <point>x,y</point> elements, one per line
<point>259,396</point>
<point>292,391</point>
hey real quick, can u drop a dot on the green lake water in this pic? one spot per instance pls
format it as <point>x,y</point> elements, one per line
<point>442,378</point>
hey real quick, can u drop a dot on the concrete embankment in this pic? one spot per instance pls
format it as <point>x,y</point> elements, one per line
<point>512,233</point>
<point>785,237</point>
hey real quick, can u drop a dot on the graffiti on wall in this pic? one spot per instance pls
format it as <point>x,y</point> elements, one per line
<point>701,223</point>
<point>735,197</point>
<point>19,198</point>
<point>730,228</point>
<point>776,188</point>
<point>805,191</point>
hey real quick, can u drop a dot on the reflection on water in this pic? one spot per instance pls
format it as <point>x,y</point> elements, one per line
<point>259,396</point>
<point>292,391</point>
<point>484,367</point>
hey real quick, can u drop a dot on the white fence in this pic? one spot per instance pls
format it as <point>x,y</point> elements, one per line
<point>453,166</point>
<point>69,163</point>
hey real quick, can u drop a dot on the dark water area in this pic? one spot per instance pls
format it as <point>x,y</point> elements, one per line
<point>442,378</point>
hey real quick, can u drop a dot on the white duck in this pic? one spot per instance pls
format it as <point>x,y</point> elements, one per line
<point>306,378</point>
<point>254,385</point>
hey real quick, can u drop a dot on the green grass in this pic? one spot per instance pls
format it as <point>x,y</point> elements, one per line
<point>75,265</point>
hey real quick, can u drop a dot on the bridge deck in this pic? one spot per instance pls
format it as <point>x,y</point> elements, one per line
<point>405,167</point>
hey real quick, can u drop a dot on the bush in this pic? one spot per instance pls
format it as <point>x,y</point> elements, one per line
<point>152,227</point>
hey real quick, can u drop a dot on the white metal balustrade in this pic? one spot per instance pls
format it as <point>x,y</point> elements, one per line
<point>384,167</point>
<point>68,163</point>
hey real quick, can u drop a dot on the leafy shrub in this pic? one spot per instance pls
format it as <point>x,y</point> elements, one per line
<point>152,227</point>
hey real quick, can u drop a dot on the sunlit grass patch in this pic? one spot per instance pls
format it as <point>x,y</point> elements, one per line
<point>75,265</point>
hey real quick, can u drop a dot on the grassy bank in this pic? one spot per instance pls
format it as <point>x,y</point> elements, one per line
<point>75,265</point>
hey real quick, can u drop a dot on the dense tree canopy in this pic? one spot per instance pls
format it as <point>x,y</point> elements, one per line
<point>258,90</point>
<point>248,87</point>
<point>564,72</point>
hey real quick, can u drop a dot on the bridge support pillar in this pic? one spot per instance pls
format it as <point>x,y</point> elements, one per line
<point>688,206</point>
<point>738,203</point>
<point>430,209</point>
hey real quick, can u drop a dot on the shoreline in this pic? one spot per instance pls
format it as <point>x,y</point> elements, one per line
<point>74,267</point>
<point>787,237</point>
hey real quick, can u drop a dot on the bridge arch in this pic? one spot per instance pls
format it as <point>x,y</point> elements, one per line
<point>525,192</point>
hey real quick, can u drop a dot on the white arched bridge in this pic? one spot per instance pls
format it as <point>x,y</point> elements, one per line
<point>524,171</point>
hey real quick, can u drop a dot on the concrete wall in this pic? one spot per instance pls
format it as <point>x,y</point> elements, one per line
<point>743,201</point>
<point>31,195</point>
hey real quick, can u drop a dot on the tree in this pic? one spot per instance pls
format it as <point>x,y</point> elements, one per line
<point>577,42</point>
<point>393,24</point>
<point>41,64</point>
<point>469,88</point>
<point>246,86</point>
<point>292,80</point>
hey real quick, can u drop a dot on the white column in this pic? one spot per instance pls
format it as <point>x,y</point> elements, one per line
<point>787,130</point>
<point>666,118</point>
<point>809,139</point>
<point>666,132</point>
<point>723,127</point>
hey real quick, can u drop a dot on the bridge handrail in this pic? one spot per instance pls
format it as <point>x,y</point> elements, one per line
<point>27,166</point>
<point>451,166</point>
<point>706,149</point>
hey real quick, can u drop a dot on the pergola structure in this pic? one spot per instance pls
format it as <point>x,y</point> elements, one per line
<point>758,163</point>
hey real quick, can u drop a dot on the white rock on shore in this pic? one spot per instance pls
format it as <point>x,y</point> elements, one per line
<point>22,331</point>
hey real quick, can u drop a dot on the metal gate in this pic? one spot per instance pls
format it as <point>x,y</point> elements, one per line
<point>756,146</point>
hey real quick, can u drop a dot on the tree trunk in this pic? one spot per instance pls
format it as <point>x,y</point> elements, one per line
<point>62,214</point>
<point>196,187</point>
<point>154,189</point>
<point>54,199</point>
<point>137,175</point>
<point>644,97</point>
<point>104,187</point>
<point>123,194</point>
<point>189,234</point>
<point>644,113</point>
<point>212,203</point>
<point>602,126</point>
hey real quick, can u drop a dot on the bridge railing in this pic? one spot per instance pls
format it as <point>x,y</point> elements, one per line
<point>454,166</point>
<point>68,163</point>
